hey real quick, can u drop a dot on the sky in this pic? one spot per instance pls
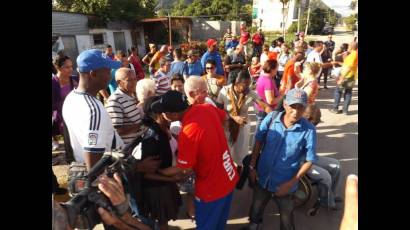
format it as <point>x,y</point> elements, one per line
<point>340,6</point>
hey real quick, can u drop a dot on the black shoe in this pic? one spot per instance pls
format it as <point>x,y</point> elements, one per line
<point>338,199</point>
<point>335,111</point>
<point>60,191</point>
<point>325,87</point>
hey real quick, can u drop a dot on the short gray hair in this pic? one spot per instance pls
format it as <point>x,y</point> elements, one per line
<point>144,88</point>
<point>122,73</point>
<point>194,83</point>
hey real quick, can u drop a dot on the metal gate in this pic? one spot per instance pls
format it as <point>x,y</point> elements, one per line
<point>119,41</point>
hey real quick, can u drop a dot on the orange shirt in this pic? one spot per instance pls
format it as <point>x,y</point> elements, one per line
<point>272,56</point>
<point>288,75</point>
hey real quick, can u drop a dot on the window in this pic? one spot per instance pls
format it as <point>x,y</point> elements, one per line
<point>98,39</point>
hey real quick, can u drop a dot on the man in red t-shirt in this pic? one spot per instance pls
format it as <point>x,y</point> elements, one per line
<point>244,38</point>
<point>258,39</point>
<point>203,149</point>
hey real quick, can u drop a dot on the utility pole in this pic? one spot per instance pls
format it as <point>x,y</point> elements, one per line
<point>170,30</point>
<point>299,9</point>
<point>307,22</point>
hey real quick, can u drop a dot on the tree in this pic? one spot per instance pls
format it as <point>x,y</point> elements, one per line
<point>109,10</point>
<point>353,5</point>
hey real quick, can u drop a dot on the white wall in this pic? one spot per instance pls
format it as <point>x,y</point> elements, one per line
<point>128,39</point>
<point>109,35</point>
<point>270,11</point>
<point>110,39</point>
<point>141,41</point>
<point>83,42</point>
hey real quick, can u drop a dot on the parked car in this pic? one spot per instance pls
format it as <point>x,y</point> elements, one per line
<point>327,29</point>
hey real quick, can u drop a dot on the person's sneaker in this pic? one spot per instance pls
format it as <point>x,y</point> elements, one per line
<point>55,145</point>
<point>325,87</point>
<point>335,111</point>
<point>60,191</point>
<point>338,199</point>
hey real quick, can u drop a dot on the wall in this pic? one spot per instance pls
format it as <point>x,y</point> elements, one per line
<point>270,11</point>
<point>69,23</point>
<point>203,29</point>
<point>83,42</point>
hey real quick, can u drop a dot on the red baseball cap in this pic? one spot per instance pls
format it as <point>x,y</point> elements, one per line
<point>211,42</point>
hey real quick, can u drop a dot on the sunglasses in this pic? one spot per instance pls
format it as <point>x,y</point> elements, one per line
<point>210,67</point>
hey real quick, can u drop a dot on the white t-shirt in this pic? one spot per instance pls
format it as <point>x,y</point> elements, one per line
<point>314,56</point>
<point>89,125</point>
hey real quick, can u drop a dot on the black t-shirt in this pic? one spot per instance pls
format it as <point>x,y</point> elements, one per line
<point>155,142</point>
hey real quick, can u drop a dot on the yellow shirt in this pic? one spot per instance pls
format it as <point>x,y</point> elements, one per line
<point>349,67</point>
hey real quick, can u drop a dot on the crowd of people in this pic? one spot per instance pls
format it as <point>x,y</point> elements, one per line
<point>191,122</point>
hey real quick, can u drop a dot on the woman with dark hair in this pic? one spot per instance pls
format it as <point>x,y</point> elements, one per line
<point>236,99</point>
<point>160,196</point>
<point>266,89</point>
<point>61,84</point>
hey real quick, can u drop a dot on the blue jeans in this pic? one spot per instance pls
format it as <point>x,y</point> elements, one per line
<point>261,198</point>
<point>347,98</point>
<point>326,172</point>
<point>212,215</point>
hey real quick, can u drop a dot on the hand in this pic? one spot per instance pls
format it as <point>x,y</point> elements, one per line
<point>240,120</point>
<point>112,188</point>
<point>284,188</point>
<point>298,63</point>
<point>149,164</point>
<point>253,176</point>
<point>299,84</point>
<point>350,216</point>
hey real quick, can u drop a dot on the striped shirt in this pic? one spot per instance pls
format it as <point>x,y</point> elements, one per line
<point>123,110</point>
<point>162,82</point>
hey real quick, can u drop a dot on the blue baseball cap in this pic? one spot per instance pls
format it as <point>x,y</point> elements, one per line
<point>95,59</point>
<point>296,96</point>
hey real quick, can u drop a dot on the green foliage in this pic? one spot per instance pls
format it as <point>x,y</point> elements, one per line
<point>215,9</point>
<point>351,21</point>
<point>317,21</point>
<point>109,10</point>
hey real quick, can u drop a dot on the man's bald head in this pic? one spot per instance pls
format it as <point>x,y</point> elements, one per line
<point>196,90</point>
<point>122,73</point>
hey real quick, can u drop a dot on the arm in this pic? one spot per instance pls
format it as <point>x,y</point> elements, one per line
<point>113,189</point>
<point>127,129</point>
<point>104,93</point>
<point>91,159</point>
<point>265,106</point>
<point>145,59</point>
<point>285,187</point>
<point>270,97</point>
